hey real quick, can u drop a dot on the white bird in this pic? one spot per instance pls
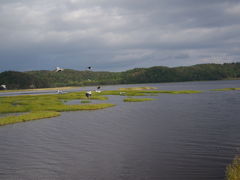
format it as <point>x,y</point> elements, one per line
<point>3,86</point>
<point>59,91</point>
<point>58,69</point>
<point>88,94</point>
<point>98,89</point>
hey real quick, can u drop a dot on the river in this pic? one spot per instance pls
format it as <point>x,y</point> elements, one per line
<point>175,137</point>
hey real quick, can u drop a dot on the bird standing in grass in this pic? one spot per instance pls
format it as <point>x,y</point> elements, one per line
<point>88,94</point>
<point>59,91</point>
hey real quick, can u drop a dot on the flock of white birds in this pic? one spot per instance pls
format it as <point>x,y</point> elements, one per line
<point>88,93</point>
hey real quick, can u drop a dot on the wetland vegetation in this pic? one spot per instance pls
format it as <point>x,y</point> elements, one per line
<point>137,99</point>
<point>233,170</point>
<point>226,89</point>
<point>46,106</point>
<point>28,117</point>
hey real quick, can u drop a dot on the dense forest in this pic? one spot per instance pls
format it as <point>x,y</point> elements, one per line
<point>68,77</point>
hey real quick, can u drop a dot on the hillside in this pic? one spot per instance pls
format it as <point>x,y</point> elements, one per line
<point>43,79</point>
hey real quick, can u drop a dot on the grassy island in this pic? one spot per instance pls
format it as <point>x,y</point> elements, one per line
<point>137,99</point>
<point>44,106</point>
<point>226,89</point>
<point>27,117</point>
<point>32,107</point>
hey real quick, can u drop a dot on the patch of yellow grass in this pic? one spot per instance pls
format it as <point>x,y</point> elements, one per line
<point>27,117</point>
<point>226,89</point>
<point>233,170</point>
<point>137,99</point>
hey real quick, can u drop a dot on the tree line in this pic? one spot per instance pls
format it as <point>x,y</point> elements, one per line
<point>156,74</point>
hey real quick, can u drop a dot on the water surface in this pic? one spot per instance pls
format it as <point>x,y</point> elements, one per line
<point>175,137</point>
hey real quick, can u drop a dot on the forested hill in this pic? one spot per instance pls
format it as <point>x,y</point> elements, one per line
<point>42,79</point>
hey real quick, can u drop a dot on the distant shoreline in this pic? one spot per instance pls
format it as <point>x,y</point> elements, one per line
<point>13,80</point>
<point>78,87</point>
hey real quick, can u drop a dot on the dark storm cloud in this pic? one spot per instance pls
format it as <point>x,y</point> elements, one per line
<point>117,35</point>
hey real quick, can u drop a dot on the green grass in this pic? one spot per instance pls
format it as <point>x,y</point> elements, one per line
<point>233,170</point>
<point>226,89</point>
<point>78,107</point>
<point>27,117</point>
<point>55,102</point>
<point>35,105</point>
<point>27,103</point>
<point>137,99</point>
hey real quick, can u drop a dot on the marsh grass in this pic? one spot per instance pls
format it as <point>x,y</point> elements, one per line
<point>78,107</point>
<point>226,89</point>
<point>27,117</point>
<point>137,99</point>
<point>56,102</point>
<point>53,102</point>
<point>233,170</point>
<point>35,106</point>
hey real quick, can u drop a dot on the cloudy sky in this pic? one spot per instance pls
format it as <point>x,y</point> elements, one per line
<point>116,35</point>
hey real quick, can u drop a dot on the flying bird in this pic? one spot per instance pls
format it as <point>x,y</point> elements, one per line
<point>58,69</point>
<point>3,87</point>
<point>98,89</point>
<point>89,67</point>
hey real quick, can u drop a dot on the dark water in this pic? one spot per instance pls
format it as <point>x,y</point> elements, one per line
<point>176,137</point>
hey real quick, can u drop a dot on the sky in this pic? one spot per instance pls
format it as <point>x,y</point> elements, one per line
<point>117,35</point>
